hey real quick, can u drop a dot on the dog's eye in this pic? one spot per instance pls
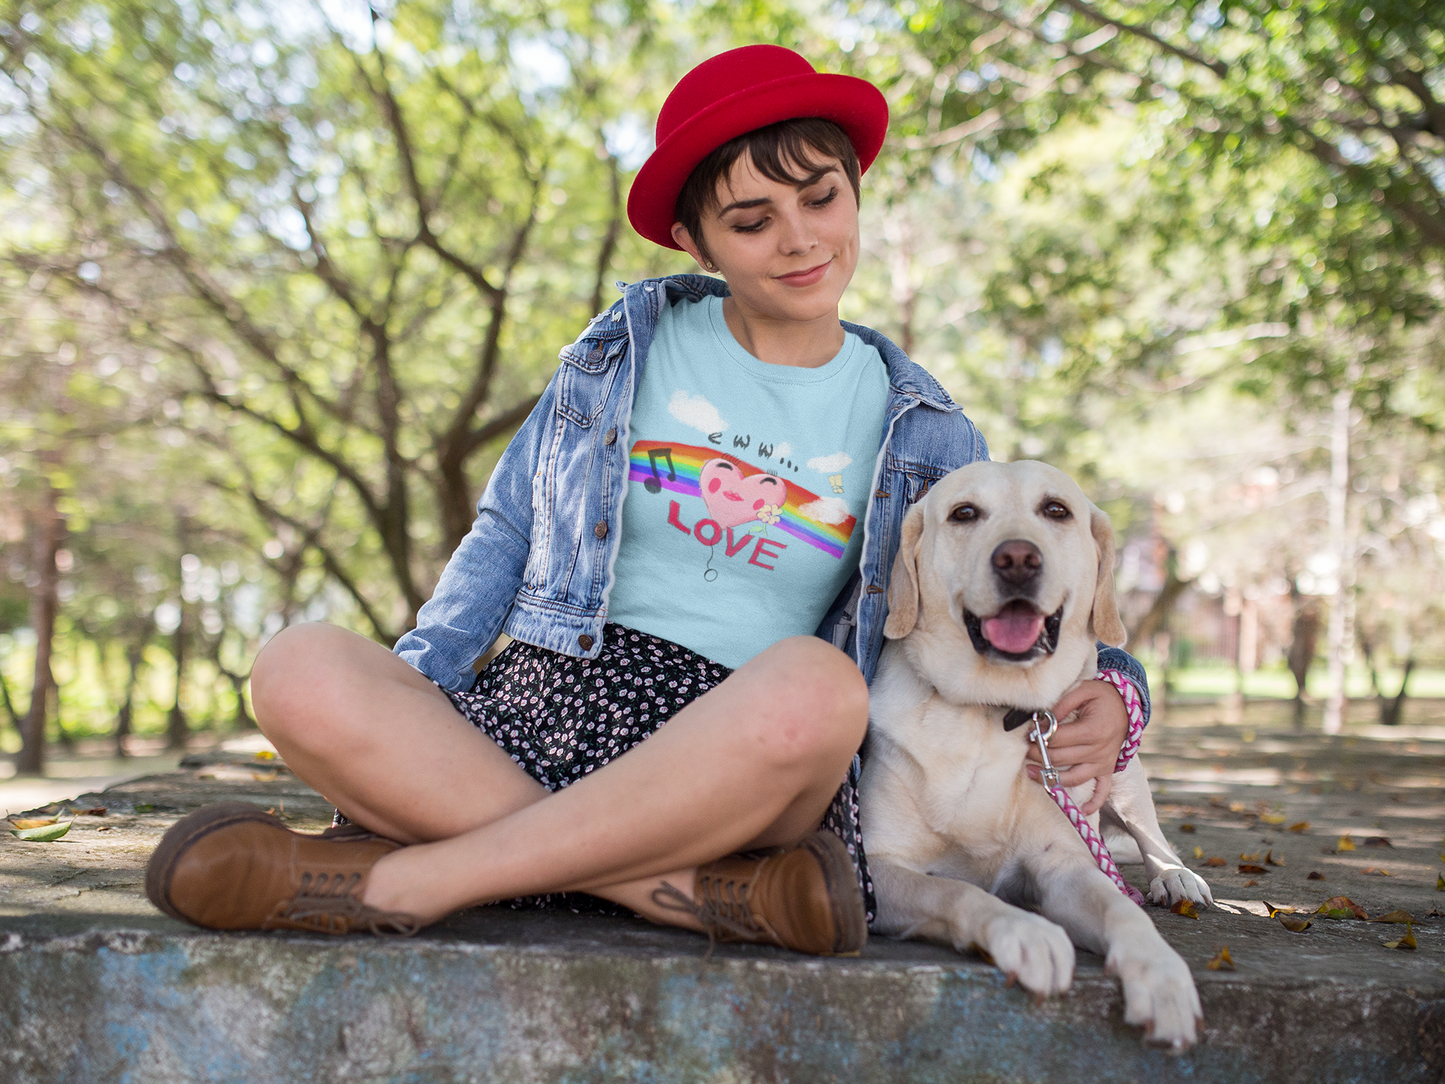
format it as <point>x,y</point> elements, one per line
<point>1056,510</point>
<point>964,513</point>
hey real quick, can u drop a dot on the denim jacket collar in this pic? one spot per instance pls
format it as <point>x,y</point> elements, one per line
<point>642,302</point>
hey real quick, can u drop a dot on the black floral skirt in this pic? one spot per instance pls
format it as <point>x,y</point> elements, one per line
<point>561,717</point>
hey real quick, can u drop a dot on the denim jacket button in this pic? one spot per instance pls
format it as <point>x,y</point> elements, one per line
<point>595,354</point>
<point>601,529</point>
<point>611,437</point>
<point>584,642</point>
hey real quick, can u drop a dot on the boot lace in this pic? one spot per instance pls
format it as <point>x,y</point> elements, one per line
<point>326,903</point>
<point>724,909</point>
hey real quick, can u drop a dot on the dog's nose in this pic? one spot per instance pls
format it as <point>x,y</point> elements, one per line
<point>1016,562</point>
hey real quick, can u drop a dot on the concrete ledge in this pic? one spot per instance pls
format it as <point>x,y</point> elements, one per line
<point>97,986</point>
<point>518,997</point>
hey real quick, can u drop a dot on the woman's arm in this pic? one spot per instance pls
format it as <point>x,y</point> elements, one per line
<point>476,590</point>
<point>1107,723</point>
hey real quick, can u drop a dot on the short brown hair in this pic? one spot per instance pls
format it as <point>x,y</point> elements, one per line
<point>776,150</point>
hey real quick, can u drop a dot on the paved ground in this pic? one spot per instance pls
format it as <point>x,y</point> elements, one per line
<point>1329,1003</point>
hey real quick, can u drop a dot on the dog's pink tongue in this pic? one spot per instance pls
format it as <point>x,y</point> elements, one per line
<point>1015,629</point>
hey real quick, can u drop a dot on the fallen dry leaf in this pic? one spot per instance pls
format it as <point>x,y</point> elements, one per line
<point>1186,827</point>
<point>1250,867</point>
<point>1314,875</point>
<point>1374,871</point>
<point>1236,807</point>
<point>1214,860</point>
<point>1272,818</point>
<point>1439,883</point>
<point>263,777</point>
<point>98,811</point>
<point>1341,907</point>
<point>1406,942</point>
<point>103,828</point>
<point>1302,826</point>
<point>31,822</point>
<point>1250,884</point>
<point>1271,860</point>
<point>265,754</point>
<point>1293,925</point>
<point>1185,908</point>
<point>47,833</point>
<point>1345,844</point>
<point>1222,959</point>
<point>1378,841</point>
<point>1249,857</point>
<point>1394,916</point>
<point>1273,910</point>
<point>1198,852</point>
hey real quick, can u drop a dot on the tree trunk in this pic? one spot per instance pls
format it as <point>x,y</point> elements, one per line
<point>176,729</point>
<point>1156,618</point>
<point>134,652</point>
<point>1304,640</point>
<point>48,532</point>
<point>1392,709</point>
<point>1342,611</point>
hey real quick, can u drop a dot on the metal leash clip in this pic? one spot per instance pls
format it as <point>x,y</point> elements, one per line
<point>1041,739</point>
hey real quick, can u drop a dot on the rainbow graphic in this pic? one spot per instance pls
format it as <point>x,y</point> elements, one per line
<point>677,467</point>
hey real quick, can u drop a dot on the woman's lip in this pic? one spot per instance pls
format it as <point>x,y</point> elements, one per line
<point>808,277</point>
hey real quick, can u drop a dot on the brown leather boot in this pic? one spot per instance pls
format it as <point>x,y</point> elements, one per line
<point>804,897</point>
<point>232,866</point>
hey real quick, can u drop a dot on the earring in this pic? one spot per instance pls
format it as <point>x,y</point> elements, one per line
<point>710,267</point>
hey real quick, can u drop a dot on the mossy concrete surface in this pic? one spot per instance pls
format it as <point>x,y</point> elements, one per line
<point>96,986</point>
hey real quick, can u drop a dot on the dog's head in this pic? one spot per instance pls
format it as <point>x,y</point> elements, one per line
<point>1003,582</point>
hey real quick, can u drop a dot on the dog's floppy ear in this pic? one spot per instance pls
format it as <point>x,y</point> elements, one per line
<point>1105,618</point>
<point>903,596</point>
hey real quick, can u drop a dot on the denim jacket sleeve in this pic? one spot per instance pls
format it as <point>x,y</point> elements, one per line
<point>481,580</point>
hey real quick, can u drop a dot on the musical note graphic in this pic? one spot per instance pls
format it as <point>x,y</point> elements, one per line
<point>654,484</point>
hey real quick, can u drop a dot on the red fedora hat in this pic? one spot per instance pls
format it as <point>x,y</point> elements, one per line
<point>734,93</point>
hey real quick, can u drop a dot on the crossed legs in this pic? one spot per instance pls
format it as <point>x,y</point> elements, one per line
<point>754,762</point>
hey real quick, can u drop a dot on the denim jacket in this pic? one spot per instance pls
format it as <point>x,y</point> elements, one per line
<point>537,563</point>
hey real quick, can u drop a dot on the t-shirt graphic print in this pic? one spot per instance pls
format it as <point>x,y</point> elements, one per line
<point>746,487</point>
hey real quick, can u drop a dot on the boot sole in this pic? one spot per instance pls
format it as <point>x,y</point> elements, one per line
<point>842,880</point>
<point>183,834</point>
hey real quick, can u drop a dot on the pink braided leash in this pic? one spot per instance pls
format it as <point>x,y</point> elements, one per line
<point>1134,706</point>
<point>1097,847</point>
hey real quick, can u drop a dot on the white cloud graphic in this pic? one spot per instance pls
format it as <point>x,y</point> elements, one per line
<point>696,411</point>
<point>825,509</point>
<point>782,450</point>
<point>830,464</point>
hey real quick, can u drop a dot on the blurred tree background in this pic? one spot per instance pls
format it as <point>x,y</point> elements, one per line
<point>278,282</point>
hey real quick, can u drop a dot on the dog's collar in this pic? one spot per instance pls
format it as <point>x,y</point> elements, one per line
<point>1017,717</point>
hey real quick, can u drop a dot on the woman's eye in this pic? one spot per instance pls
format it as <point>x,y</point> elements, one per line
<point>964,513</point>
<point>750,227</point>
<point>825,200</point>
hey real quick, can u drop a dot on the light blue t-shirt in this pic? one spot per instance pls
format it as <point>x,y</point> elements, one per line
<point>747,487</point>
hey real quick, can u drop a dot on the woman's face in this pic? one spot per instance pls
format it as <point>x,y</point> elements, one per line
<point>787,252</point>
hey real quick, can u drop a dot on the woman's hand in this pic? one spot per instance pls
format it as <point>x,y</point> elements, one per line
<point>1089,743</point>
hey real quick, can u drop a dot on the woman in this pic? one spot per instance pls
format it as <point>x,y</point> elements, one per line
<point>695,527</point>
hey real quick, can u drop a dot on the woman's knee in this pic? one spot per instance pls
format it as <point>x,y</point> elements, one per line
<point>294,674</point>
<point>813,702</point>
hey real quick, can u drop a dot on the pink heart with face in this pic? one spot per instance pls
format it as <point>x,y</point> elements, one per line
<point>732,499</point>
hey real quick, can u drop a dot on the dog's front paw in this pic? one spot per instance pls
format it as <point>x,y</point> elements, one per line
<point>1171,883</point>
<point>1031,949</point>
<point>1159,994</point>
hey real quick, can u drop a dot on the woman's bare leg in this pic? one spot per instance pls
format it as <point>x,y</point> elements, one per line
<point>753,762</point>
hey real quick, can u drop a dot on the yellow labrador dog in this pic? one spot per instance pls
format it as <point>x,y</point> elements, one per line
<point>1002,585</point>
